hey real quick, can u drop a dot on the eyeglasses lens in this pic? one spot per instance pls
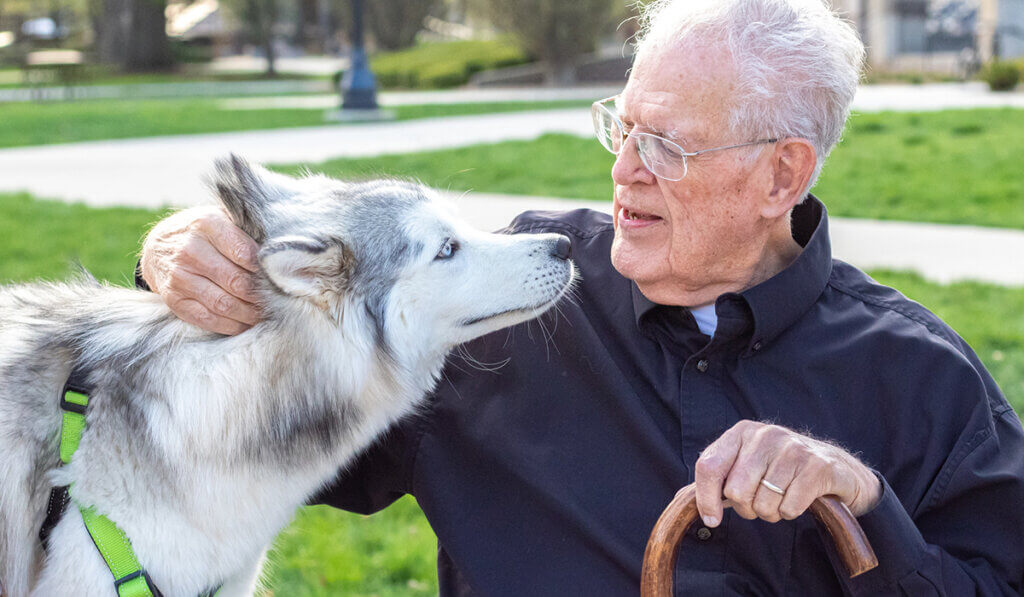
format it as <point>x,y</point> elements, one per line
<point>658,155</point>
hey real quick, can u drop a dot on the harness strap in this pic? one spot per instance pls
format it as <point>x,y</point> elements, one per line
<point>130,578</point>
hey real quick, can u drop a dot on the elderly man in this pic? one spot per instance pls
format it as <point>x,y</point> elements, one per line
<point>721,344</point>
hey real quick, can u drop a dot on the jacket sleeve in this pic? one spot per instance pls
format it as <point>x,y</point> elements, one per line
<point>966,537</point>
<point>380,475</point>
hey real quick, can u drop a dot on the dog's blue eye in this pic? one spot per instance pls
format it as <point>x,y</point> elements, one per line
<point>447,249</point>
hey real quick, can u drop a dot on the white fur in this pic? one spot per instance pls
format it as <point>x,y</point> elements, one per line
<point>203,504</point>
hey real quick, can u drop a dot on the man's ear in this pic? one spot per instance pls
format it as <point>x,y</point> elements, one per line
<point>246,191</point>
<point>307,268</point>
<point>793,163</point>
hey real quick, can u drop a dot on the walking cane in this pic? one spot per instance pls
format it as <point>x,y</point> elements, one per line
<point>660,556</point>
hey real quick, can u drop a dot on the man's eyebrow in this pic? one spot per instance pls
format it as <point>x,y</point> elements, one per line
<point>671,133</point>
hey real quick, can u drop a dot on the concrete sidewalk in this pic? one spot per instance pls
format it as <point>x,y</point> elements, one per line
<point>157,171</point>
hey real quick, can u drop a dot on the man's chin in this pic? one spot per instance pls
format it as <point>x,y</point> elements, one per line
<point>631,262</point>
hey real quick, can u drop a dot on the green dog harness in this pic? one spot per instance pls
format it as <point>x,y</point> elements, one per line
<point>130,578</point>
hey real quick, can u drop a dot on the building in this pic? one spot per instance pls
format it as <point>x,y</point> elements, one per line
<point>935,35</point>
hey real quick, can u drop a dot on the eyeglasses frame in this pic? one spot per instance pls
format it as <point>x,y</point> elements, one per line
<point>599,105</point>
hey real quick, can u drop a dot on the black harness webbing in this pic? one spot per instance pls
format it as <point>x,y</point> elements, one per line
<point>59,496</point>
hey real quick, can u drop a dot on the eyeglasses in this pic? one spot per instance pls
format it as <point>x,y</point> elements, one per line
<point>664,158</point>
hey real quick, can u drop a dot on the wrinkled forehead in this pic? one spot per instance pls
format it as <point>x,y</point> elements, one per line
<point>681,90</point>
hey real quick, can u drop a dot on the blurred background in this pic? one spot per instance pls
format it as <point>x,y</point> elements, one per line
<point>111,112</point>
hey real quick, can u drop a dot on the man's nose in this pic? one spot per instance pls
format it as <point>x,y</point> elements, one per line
<point>629,168</point>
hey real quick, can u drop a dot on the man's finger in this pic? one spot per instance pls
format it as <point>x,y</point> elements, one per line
<point>194,312</point>
<point>805,488</point>
<point>207,261</point>
<point>230,240</point>
<point>780,473</point>
<point>215,300</point>
<point>711,471</point>
<point>744,478</point>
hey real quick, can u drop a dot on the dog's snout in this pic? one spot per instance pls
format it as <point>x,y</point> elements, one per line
<point>561,248</point>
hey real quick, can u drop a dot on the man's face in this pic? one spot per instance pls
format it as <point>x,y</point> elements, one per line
<point>697,237</point>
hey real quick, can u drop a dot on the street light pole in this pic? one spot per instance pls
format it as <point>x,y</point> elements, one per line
<point>359,89</point>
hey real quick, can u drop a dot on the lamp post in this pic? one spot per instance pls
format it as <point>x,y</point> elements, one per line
<point>359,89</point>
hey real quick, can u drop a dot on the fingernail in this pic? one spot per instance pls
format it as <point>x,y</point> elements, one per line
<point>710,521</point>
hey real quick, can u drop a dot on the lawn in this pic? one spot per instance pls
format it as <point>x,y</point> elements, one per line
<point>327,552</point>
<point>100,75</point>
<point>67,122</point>
<point>955,167</point>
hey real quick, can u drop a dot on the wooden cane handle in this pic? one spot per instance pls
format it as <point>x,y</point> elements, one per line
<point>668,532</point>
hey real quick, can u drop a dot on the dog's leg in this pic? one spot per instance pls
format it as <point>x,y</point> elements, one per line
<point>244,583</point>
<point>20,518</point>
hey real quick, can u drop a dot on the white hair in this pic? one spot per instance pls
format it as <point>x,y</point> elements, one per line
<point>796,63</point>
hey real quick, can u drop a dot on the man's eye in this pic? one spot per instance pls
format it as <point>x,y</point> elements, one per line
<point>448,249</point>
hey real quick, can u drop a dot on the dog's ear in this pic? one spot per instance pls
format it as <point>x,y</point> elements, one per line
<point>308,268</point>
<point>246,191</point>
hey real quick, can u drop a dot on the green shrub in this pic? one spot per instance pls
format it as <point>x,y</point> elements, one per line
<point>1001,76</point>
<point>439,65</point>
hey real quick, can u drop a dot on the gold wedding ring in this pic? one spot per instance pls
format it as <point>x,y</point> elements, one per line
<point>772,487</point>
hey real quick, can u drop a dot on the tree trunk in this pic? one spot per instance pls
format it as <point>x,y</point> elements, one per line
<point>112,32</point>
<point>132,35</point>
<point>148,47</point>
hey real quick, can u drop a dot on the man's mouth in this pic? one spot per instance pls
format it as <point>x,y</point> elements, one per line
<point>633,215</point>
<point>632,219</point>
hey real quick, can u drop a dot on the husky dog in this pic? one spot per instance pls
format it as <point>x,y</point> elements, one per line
<point>200,447</point>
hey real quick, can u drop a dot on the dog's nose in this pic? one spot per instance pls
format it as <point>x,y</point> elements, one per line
<point>562,248</point>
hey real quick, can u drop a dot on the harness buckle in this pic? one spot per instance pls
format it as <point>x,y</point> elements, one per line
<point>132,576</point>
<point>70,406</point>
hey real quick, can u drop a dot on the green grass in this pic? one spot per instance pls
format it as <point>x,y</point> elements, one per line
<point>67,122</point>
<point>552,166</point>
<point>954,167</point>
<point>101,75</point>
<point>329,552</point>
<point>45,239</point>
<point>325,552</point>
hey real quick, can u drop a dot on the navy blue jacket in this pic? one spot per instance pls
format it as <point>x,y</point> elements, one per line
<point>545,476</point>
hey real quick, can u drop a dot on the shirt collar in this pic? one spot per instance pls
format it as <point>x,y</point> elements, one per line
<point>779,301</point>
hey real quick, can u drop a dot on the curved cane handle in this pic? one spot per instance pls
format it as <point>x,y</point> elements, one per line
<point>662,547</point>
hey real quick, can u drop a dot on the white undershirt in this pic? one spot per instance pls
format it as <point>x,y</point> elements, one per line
<point>707,319</point>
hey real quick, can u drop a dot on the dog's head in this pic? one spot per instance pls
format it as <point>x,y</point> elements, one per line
<point>390,253</point>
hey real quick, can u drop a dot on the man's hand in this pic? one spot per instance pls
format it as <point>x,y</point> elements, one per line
<point>200,263</point>
<point>803,468</point>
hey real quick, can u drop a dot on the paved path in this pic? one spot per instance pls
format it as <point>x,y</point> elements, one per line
<point>159,171</point>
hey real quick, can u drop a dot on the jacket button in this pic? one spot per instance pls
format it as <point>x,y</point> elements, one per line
<point>703,533</point>
<point>702,365</point>
<point>757,345</point>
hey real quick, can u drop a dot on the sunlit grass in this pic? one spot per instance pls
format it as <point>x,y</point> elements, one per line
<point>24,124</point>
